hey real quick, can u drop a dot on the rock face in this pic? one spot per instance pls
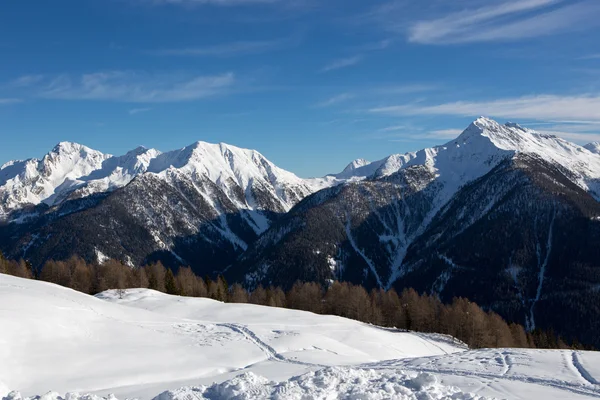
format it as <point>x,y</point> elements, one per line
<point>503,215</point>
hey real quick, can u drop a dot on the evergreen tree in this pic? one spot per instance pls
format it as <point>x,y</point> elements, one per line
<point>170,285</point>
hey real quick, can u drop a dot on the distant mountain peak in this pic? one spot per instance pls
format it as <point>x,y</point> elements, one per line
<point>72,169</point>
<point>69,148</point>
<point>139,150</point>
<point>594,147</point>
<point>359,162</point>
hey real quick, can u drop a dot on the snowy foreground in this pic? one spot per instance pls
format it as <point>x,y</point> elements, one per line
<point>151,345</point>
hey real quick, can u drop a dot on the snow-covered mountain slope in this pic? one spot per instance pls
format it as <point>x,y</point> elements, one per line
<point>498,204</point>
<point>359,168</point>
<point>201,205</point>
<point>481,147</point>
<point>34,181</point>
<point>594,147</point>
<point>148,343</point>
<point>429,178</point>
<point>72,171</point>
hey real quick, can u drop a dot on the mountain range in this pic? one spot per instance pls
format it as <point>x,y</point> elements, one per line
<point>503,215</point>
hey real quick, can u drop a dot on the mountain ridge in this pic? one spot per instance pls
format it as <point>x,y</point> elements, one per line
<point>80,171</point>
<point>74,168</point>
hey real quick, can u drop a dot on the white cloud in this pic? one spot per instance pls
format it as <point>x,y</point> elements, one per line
<point>405,89</point>
<point>441,134</point>
<point>135,111</point>
<point>444,133</point>
<point>578,131</point>
<point>342,63</point>
<point>336,100</point>
<point>212,2</point>
<point>471,21</point>
<point>582,138</point>
<point>463,25</point>
<point>375,46</point>
<point>230,49</point>
<point>392,128</point>
<point>591,57</point>
<point>27,80</point>
<point>6,101</point>
<point>541,107</point>
<point>135,87</point>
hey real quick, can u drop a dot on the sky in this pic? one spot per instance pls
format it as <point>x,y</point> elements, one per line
<point>311,84</point>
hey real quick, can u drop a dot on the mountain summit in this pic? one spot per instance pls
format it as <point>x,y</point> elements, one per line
<point>72,171</point>
<point>594,147</point>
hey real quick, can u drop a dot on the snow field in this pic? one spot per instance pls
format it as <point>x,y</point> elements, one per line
<point>146,345</point>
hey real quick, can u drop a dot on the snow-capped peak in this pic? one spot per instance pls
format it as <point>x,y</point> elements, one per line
<point>74,170</point>
<point>594,147</point>
<point>485,143</point>
<point>222,161</point>
<point>509,136</point>
<point>358,169</point>
<point>34,181</point>
<point>69,147</point>
<point>359,162</point>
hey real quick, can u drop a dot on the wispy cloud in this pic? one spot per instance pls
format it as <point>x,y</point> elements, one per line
<point>591,57</point>
<point>27,80</point>
<point>135,111</point>
<point>6,101</point>
<point>375,46</point>
<point>444,133</point>
<point>470,21</point>
<point>211,2</point>
<point>541,107</point>
<point>508,20</point>
<point>134,87</point>
<point>231,49</point>
<point>342,63</point>
<point>577,131</point>
<point>579,137</point>
<point>404,133</point>
<point>340,98</point>
<point>406,89</point>
<point>392,128</point>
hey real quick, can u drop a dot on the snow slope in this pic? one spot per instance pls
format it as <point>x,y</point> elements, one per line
<point>594,147</point>
<point>149,343</point>
<point>162,342</point>
<point>33,181</point>
<point>482,146</point>
<point>72,170</point>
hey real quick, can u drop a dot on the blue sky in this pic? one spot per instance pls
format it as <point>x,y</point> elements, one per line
<point>311,84</point>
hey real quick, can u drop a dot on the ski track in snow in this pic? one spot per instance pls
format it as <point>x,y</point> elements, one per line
<point>508,362</point>
<point>580,369</point>
<point>562,375</point>
<point>503,358</point>
<point>505,362</point>
<point>264,347</point>
<point>430,342</point>
<point>590,389</point>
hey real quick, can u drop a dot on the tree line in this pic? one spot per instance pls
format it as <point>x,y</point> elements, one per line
<point>408,310</point>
